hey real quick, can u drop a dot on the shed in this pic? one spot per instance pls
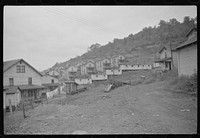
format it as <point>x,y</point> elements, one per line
<point>13,93</point>
<point>187,54</point>
<point>70,86</point>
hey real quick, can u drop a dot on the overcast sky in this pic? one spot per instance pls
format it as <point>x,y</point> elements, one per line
<point>44,35</point>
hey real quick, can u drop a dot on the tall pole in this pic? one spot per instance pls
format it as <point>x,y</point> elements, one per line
<point>171,55</point>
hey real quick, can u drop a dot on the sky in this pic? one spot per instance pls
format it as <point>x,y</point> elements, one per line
<point>44,35</point>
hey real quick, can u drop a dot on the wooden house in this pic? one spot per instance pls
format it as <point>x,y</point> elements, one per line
<point>88,68</point>
<point>20,73</point>
<point>164,61</point>
<point>187,54</point>
<point>99,77</point>
<point>113,72</point>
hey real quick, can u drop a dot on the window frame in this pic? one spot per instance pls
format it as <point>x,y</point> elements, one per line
<point>30,78</point>
<point>11,80</point>
<point>18,67</point>
<point>22,69</point>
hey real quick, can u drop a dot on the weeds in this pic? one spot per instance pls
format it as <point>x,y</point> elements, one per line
<point>186,84</point>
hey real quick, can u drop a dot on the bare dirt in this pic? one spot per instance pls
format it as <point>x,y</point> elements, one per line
<point>141,109</point>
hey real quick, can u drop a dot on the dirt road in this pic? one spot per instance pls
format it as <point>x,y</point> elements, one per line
<point>140,109</point>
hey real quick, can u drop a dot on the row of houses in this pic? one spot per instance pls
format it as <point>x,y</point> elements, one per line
<point>100,69</point>
<point>22,81</point>
<point>182,57</point>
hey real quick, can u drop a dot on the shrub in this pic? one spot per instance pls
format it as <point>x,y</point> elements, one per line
<point>187,84</point>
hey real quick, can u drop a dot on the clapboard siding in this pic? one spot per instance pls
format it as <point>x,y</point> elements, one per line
<point>21,78</point>
<point>187,58</point>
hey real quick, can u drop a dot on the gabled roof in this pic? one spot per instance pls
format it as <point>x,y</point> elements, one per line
<point>164,47</point>
<point>188,42</point>
<point>8,64</point>
<point>195,28</point>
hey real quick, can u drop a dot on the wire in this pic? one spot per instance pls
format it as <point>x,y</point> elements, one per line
<point>80,20</point>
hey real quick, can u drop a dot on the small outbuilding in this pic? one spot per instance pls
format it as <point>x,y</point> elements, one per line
<point>70,87</point>
<point>13,94</point>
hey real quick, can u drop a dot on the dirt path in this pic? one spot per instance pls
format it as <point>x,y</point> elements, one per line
<point>126,110</point>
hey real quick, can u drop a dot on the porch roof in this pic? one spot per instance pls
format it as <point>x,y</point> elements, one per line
<point>163,59</point>
<point>11,89</point>
<point>29,87</point>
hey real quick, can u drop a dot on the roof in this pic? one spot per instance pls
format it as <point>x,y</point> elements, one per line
<point>67,82</point>
<point>8,64</point>
<point>50,84</point>
<point>194,28</point>
<point>28,87</point>
<point>11,89</point>
<point>163,59</point>
<point>164,47</point>
<point>187,42</point>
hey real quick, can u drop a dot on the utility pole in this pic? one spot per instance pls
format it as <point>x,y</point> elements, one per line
<point>171,55</point>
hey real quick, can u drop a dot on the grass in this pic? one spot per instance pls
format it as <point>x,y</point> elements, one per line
<point>184,84</point>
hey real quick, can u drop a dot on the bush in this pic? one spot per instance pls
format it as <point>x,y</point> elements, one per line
<point>187,84</point>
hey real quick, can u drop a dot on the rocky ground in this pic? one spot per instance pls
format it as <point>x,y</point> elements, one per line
<point>141,109</point>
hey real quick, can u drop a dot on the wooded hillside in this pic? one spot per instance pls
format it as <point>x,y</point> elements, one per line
<point>140,47</point>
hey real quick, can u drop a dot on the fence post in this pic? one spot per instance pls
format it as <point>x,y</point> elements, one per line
<point>32,103</point>
<point>10,105</point>
<point>23,110</point>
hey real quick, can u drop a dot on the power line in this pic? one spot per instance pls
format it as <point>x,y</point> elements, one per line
<point>69,12</point>
<point>56,11</point>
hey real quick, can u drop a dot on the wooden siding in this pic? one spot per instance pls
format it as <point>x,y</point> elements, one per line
<point>187,60</point>
<point>47,79</point>
<point>15,98</point>
<point>21,78</point>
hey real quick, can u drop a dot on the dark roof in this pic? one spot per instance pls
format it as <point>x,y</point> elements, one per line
<point>50,84</point>
<point>11,89</point>
<point>187,42</point>
<point>8,64</point>
<point>28,87</point>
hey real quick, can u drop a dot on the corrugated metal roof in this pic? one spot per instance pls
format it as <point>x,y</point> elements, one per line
<point>188,42</point>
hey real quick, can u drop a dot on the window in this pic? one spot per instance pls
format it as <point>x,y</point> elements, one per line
<point>52,80</point>
<point>22,69</point>
<point>18,69</point>
<point>11,81</point>
<point>29,81</point>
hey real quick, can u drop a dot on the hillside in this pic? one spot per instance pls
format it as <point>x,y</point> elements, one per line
<point>142,46</point>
